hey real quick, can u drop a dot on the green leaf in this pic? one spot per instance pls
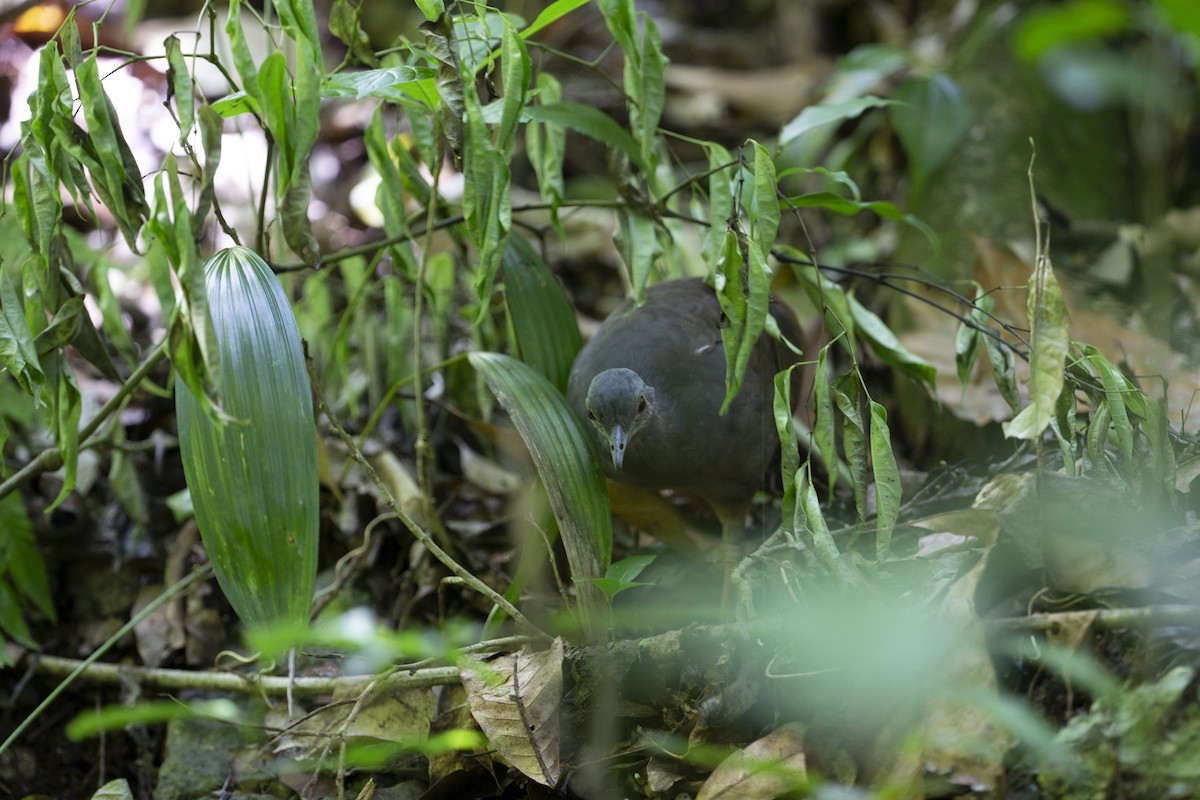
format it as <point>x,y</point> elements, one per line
<point>390,83</point>
<point>745,302</point>
<point>570,468</point>
<point>242,58</point>
<point>1063,425</point>
<point>845,206</point>
<point>118,179</point>
<point>644,82</point>
<point>846,390</point>
<point>487,204</point>
<point>887,480</point>
<point>253,480</point>
<point>451,88</point>
<point>637,241</point>
<point>1118,391</point>
<point>720,200</point>
<point>12,622</point>
<point>781,408</point>
<point>432,9</point>
<point>966,351</point>
<point>235,104</point>
<point>931,118</point>
<point>543,319</point>
<point>179,86</point>
<point>622,576</point>
<point>210,139</point>
<point>17,352</point>
<point>885,344</point>
<point>345,23</point>
<point>1004,363</point>
<point>150,712</point>
<point>20,558</point>
<point>551,14</point>
<point>1163,467</point>
<point>764,214</point>
<point>1046,27</point>
<point>390,195</point>
<point>824,422</point>
<point>546,146</point>
<point>64,409</point>
<point>644,68</point>
<point>818,116</point>
<point>516,70</point>
<point>300,24</point>
<point>811,523</point>
<point>112,319</point>
<point>1047,360</point>
<point>591,122</point>
<point>970,336</point>
<point>1097,432</point>
<point>628,569</point>
<point>293,212</point>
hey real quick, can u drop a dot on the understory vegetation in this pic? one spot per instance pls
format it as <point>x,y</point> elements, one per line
<point>293,502</point>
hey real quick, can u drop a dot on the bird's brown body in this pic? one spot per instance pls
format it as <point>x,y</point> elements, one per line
<point>651,383</point>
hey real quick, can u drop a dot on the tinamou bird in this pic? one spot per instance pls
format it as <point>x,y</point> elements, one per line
<point>650,385</point>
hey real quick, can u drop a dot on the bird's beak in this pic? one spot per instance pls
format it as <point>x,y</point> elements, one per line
<point>617,439</point>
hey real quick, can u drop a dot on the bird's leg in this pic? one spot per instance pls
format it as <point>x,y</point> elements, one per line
<point>733,530</point>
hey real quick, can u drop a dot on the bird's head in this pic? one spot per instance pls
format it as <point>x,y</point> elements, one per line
<point>619,404</point>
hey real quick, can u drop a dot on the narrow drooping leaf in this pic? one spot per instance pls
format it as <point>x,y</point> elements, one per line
<point>591,122</point>
<point>846,390</point>
<point>745,303</point>
<point>637,241</point>
<point>17,352</point>
<point>546,146</point>
<point>63,412</point>
<point>817,116</point>
<point>764,214</point>
<point>253,478</point>
<point>1004,368</point>
<point>516,69</point>
<point>179,84</point>
<point>1047,360</point>
<point>824,423</point>
<point>1117,391</point>
<point>887,480</point>
<point>887,346</point>
<point>720,200</point>
<point>487,204</point>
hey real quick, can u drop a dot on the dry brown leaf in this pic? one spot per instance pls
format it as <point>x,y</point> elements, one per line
<point>515,700</point>
<point>773,95</point>
<point>764,769</point>
<point>487,474</point>
<point>1003,273</point>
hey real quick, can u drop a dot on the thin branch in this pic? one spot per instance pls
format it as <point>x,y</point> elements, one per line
<point>51,458</point>
<point>417,531</point>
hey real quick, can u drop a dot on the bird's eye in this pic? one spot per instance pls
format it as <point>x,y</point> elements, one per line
<point>591,415</point>
<point>641,404</point>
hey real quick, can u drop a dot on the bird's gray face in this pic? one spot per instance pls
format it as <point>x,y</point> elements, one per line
<point>619,404</point>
